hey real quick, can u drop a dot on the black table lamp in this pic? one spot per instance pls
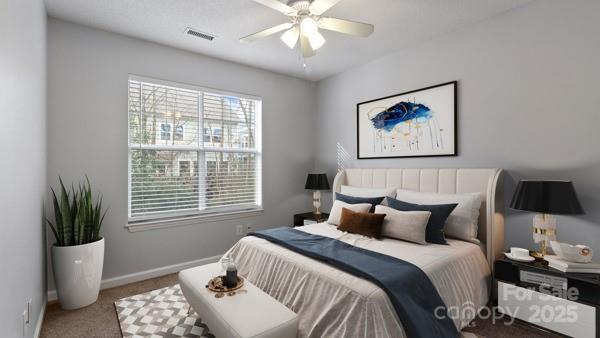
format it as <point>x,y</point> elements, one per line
<point>317,182</point>
<point>547,198</point>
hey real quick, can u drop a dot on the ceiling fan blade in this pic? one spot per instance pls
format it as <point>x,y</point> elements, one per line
<point>346,26</point>
<point>307,50</point>
<point>266,32</point>
<point>278,6</point>
<point>319,7</point>
<point>290,37</point>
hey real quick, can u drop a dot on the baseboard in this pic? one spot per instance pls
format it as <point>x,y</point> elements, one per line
<point>143,275</point>
<point>40,321</point>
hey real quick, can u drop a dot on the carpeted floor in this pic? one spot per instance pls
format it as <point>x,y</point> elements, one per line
<point>100,319</point>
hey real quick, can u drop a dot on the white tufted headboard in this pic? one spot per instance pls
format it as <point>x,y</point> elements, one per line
<point>450,181</point>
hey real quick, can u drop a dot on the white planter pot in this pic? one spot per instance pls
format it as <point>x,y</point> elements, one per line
<point>77,273</point>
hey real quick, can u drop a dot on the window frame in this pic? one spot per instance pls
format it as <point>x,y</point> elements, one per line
<point>167,219</point>
<point>163,133</point>
<point>176,132</point>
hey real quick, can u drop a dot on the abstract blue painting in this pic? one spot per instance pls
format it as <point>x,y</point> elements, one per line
<point>412,124</point>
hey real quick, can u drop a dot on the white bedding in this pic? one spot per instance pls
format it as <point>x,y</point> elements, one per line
<point>333,303</point>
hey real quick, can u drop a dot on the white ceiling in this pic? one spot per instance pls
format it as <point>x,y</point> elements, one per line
<point>398,23</point>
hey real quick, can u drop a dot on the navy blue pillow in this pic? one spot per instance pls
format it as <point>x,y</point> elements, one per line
<point>356,200</point>
<point>439,213</point>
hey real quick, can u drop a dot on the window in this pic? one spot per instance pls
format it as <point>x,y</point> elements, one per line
<point>184,168</point>
<point>178,134</point>
<point>191,150</point>
<point>165,131</point>
<point>216,135</point>
<point>245,141</point>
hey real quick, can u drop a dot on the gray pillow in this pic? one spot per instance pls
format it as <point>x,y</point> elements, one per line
<point>405,225</point>
<point>435,226</point>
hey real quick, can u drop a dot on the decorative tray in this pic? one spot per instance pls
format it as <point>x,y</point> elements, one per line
<point>217,284</point>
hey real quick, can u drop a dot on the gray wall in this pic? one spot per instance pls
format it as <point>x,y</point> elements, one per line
<point>528,102</point>
<point>87,134</point>
<point>23,168</point>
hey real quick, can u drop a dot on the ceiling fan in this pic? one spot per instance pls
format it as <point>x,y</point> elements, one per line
<point>305,20</point>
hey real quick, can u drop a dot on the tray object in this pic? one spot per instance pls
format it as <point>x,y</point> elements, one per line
<point>572,253</point>
<point>217,284</point>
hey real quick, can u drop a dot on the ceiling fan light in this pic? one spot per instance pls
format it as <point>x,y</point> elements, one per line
<point>290,37</point>
<point>316,40</point>
<point>308,26</point>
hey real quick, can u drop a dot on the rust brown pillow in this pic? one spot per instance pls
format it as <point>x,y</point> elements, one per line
<point>362,223</point>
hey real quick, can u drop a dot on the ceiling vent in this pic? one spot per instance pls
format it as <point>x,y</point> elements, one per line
<point>198,34</point>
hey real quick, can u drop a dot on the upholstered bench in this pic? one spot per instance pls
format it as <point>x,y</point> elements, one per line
<point>246,314</point>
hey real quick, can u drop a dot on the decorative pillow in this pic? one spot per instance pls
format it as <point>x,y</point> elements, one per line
<point>336,210</point>
<point>362,223</point>
<point>462,222</point>
<point>435,225</point>
<point>406,225</point>
<point>355,200</point>
<point>368,192</point>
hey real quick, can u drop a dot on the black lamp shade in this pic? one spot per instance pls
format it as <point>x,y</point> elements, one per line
<point>317,182</point>
<point>549,197</point>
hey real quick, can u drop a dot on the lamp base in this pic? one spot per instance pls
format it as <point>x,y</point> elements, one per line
<point>317,202</point>
<point>539,256</point>
<point>544,230</point>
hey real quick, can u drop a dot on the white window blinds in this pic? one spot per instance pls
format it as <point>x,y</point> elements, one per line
<point>191,150</point>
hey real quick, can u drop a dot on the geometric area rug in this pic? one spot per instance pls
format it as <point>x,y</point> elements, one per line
<point>164,313</point>
<point>159,313</point>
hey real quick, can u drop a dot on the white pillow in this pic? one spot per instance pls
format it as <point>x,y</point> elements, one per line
<point>336,210</point>
<point>462,222</point>
<point>367,192</point>
<point>406,225</point>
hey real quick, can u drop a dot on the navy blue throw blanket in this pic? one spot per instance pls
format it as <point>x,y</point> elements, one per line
<point>411,292</point>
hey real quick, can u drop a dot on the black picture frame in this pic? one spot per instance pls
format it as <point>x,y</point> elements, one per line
<point>455,115</point>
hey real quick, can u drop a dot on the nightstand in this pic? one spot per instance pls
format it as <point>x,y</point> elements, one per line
<point>309,218</point>
<point>566,303</point>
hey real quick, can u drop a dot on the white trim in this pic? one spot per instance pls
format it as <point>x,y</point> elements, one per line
<point>191,219</point>
<point>188,86</point>
<point>165,218</point>
<point>40,321</point>
<point>143,275</point>
<point>258,145</point>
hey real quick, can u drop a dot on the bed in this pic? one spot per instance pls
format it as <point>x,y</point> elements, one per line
<point>333,303</point>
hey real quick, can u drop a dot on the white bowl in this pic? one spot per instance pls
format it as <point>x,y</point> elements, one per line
<point>572,253</point>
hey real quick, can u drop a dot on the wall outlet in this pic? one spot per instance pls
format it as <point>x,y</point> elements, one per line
<point>249,227</point>
<point>239,230</point>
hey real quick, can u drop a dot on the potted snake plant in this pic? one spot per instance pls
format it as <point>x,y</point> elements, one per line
<point>78,253</point>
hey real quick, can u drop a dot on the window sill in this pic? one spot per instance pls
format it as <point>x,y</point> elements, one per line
<point>190,220</point>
